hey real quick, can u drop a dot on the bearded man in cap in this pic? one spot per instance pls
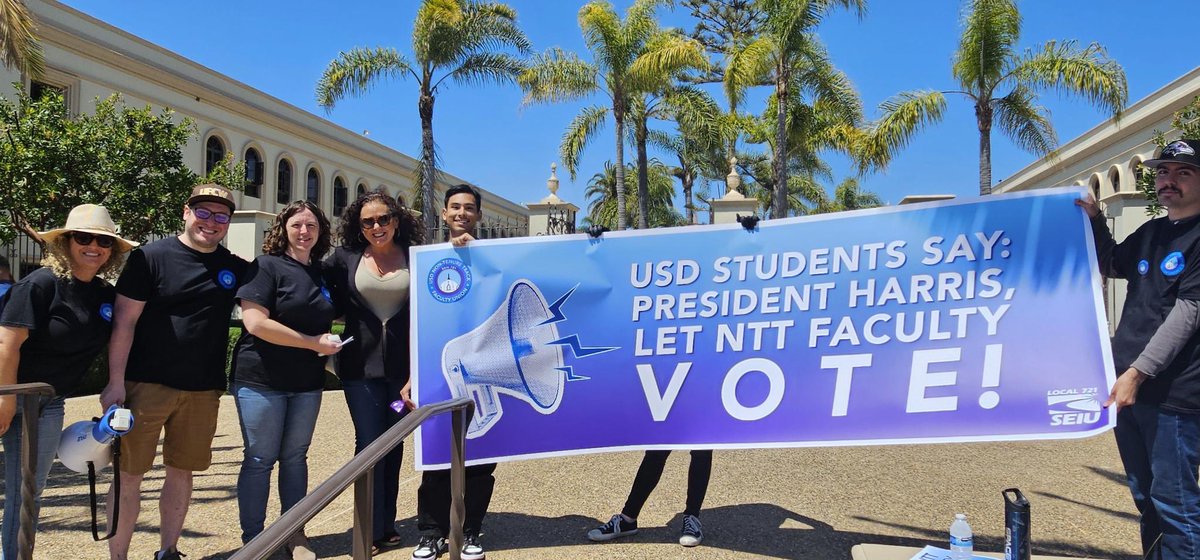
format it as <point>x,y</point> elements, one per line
<point>166,360</point>
<point>1156,351</point>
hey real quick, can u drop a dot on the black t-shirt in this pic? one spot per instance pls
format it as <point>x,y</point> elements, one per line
<point>69,323</point>
<point>1161,261</point>
<point>294,295</point>
<point>182,336</point>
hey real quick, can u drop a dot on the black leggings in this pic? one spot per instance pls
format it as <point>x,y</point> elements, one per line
<point>652,469</point>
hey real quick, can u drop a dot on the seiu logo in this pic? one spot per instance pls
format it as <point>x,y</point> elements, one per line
<point>1073,407</point>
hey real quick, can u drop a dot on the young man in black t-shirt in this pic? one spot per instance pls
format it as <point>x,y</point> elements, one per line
<point>167,359</point>
<point>1156,351</point>
<point>461,214</point>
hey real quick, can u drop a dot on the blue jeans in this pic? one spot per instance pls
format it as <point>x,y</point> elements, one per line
<point>49,428</point>
<point>277,426</point>
<point>1161,453</point>
<point>369,401</point>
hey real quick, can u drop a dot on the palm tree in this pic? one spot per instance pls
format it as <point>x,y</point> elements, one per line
<point>18,44</point>
<point>1003,84</point>
<point>848,195</point>
<point>629,57</point>
<point>462,41</point>
<point>602,194</point>
<point>790,55</point>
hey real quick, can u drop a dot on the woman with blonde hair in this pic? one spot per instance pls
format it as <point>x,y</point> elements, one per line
<point>53,324</point>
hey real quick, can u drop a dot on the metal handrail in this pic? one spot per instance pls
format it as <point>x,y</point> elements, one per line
<point>29,438</point>
<point>359,472</point>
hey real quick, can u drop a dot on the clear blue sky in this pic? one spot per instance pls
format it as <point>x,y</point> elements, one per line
<point>485,136</point>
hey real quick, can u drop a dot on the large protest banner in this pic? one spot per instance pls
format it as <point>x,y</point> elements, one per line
<point>968,320</point>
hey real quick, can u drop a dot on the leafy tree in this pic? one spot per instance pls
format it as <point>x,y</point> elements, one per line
<point>602,193</point>
<point>1187,122</point>
<point>630,57</point>
<point>127,159</point>
<point>789,54</point>
<point>462,41</point>
<point>1003,84</point>
<point>18,44</point>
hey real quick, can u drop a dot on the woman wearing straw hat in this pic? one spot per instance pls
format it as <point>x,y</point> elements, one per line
<point>53,324</point>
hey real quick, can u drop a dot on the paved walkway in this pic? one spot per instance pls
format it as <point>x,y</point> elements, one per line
<point>781,503</point>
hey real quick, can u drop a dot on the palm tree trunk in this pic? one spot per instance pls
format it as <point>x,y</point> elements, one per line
<point>425,108</point>
<point>688,181</point>
<point>983,117</point>
<point>779,206</point>
<point>619,117</point>
<point>643,176</point>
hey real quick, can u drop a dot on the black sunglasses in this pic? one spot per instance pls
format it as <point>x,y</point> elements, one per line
<point>205,213</point>
<point>383,221</point>
<point>84,238</point>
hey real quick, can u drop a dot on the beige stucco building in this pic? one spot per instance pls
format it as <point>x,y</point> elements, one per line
<point>290,153</point>
<point>1106,158</point>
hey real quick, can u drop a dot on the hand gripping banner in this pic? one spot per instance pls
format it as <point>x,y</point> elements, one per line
<point>971,320</point>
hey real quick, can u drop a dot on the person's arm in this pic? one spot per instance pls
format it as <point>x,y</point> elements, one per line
<point>11,339</point>
<point>461,240</point>
<point>126,313</point>
<point>1106,246</point>
<point>1168,340</point>
<point>259,323</point>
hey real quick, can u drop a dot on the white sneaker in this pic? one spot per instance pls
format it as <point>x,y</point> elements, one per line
<point>692,531</point>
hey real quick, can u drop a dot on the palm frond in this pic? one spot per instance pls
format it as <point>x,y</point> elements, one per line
<point>487,68</point>
<point>18,42</point>
<point>990,30</point>
<point>903,116</point>
<point>602,33</point>
<point>1024,122</point>
<point>353,73</point>
<point>582,129</point>
<point>1087,73</point>
<point>558,75</point>
<point>665,56</point>
<point>748,66</point>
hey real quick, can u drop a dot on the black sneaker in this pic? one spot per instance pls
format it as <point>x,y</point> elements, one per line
<point>616,527</point>
<point>471,548</point>
<point>430,547</point>
<point>169,554</point>
<point>692,532</point>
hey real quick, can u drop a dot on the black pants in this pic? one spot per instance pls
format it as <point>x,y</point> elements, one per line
<point>433,500</point>
<point>652,469</point>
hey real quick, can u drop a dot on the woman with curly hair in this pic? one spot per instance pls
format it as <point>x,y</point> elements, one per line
<point>278,369</point>
<point>53,324</point>
<point>369,277</point>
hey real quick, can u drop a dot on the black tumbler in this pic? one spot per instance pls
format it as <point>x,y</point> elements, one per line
<point>1016,525</point>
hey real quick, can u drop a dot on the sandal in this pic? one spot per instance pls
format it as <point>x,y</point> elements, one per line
<point>389,541</point>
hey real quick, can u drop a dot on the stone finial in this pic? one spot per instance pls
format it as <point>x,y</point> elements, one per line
<point>552,182</point>
<point>733,180</point>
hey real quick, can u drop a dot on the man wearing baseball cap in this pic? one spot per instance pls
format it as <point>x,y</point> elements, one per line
<point>1156,352</point>
<point>166,359</point>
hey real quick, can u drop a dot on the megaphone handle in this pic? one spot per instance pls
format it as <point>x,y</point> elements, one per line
<point>116,506</point>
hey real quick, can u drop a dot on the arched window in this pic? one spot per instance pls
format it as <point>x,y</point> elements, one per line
<point>361,190</point>
<point>312,190</point>
<point>214,153</point>
<point>283,182</point>
<point>254,173</point>
<point>339,196</point>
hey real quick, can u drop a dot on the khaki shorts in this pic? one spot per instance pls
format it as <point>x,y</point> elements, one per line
<point>190,419</point>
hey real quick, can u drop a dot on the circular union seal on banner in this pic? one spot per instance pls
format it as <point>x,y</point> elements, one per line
<point>449,280</point>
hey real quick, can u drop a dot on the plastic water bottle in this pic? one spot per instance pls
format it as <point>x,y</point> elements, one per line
<point>961,540</point>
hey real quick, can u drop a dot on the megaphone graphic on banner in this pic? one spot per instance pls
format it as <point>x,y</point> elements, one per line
<point>510,354</point>
<point>90,441</point>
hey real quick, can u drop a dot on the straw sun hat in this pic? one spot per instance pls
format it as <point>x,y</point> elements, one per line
<point>90,218</point>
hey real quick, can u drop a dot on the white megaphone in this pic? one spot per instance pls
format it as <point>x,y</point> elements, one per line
<point>90,441</point>
<point>509,353</point>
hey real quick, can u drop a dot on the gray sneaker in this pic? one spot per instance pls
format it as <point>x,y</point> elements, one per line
<point>692,531</point>
<point>429,548</point>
